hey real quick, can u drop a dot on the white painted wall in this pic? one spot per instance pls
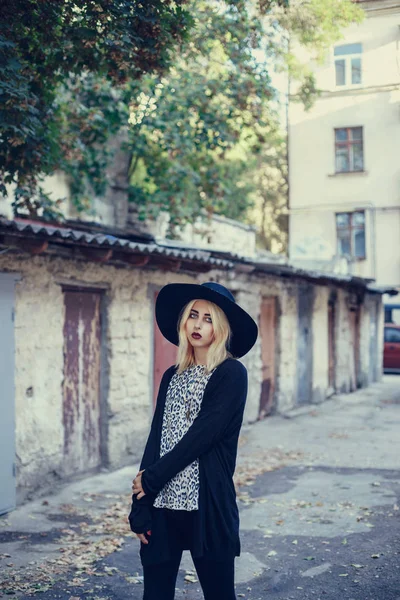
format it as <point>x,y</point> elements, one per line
<point>218,233</point>
<point>316,192</point>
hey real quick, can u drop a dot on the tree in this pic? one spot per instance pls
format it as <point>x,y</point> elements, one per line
<point>198,136</point>
<point>268,173</point>
<point>194,128</point>
<point>207,136</point>
<point>184,125</point>
<point>43,43</point>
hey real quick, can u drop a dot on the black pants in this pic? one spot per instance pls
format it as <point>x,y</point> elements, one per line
<point>216,577</point>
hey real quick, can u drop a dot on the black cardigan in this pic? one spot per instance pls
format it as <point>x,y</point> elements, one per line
<point>213,439</point>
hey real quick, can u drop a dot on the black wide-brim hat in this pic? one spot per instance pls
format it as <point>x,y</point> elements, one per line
<point>173,297</point>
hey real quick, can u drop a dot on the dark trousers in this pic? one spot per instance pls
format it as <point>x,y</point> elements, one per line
<point>216,576</point>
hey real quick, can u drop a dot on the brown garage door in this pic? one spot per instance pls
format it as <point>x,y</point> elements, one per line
<point>81,386</point>
<point>164,356</point>
<point>268,326</point>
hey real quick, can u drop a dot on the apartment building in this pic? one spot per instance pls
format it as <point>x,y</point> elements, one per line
<point>345,155</point>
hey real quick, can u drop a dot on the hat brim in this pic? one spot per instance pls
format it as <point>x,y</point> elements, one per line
<point>173,297</point>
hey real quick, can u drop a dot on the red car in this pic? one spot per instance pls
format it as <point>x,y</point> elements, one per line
<point>391,349</point>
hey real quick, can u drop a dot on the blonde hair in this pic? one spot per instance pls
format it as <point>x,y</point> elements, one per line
<point>217,351</point>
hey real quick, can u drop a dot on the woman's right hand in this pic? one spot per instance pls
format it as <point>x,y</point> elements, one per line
<point>143,538</point>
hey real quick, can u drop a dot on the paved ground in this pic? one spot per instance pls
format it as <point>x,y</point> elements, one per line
<point>319,499</point>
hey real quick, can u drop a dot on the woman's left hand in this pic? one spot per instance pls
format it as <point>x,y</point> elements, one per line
<point>137,486</point>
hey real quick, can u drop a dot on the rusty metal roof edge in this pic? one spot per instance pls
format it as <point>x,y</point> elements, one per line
<point>99,239</point>
<point>383,289</point>
<point>212,257</point>
<point>287,269</point>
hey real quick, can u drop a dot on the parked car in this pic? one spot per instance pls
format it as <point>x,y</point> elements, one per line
<point>391,349</point>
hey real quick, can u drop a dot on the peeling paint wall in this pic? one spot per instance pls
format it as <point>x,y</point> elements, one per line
<point>343,344</point>
<point>127,353</point>
<point>39,319</point>
<point>320,345</point>
<point>248,296</point>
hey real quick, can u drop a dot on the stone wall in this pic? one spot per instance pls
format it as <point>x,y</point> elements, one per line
<point>39,318</point>
<point>320,345</point>
<point>128,353</point>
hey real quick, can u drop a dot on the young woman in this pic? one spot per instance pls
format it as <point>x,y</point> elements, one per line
<point>184,496</point>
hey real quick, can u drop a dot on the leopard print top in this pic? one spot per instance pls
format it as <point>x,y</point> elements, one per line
<point>182,405</point>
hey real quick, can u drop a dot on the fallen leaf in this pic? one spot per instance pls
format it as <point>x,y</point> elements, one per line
<point>191,578</point>
<point>272,553</point>
<point>134,579</point>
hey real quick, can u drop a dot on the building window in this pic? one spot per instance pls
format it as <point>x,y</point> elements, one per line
<point>350,228</point>
<point>348,64</point>
<point>349,151</point>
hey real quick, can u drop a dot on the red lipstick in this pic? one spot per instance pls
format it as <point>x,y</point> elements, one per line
<point>196,336</point>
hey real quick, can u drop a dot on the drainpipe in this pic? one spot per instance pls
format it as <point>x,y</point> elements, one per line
<point>373,241</point>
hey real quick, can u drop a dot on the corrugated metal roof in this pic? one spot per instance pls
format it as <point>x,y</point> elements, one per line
<point>280,266</point>
<point>215,259</point>
<point>64,235</point>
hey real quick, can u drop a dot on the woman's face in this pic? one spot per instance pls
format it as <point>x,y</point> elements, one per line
<point>199,328</point>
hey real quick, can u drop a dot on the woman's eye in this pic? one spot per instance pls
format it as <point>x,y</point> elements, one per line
<point>208,319</point>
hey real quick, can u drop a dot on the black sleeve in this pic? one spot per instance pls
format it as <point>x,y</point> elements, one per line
<point>221,403</point>
<point>140,514</point>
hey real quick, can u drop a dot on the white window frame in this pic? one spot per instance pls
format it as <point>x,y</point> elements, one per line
<point>347,58</point>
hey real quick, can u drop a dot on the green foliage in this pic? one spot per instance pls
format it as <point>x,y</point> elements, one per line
<point>92,110</point>
<point>188,124</point>
<point>207,133</point>
<point>314,26</point>
<point>317,24</point>
<point>200,126</point>
<point>44,42</point>
<point>269,176</point>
